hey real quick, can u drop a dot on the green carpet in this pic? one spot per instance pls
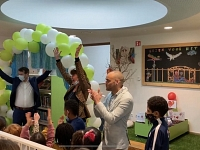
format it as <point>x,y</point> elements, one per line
<point>185,142</point>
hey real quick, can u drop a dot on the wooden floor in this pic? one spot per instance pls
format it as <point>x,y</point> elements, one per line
<point>136,146</point>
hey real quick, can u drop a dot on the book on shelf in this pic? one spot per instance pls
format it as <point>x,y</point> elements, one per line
<point>43,115</point>
<point>45,100</point>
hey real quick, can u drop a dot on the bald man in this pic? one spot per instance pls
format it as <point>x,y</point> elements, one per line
<point>115,110</point>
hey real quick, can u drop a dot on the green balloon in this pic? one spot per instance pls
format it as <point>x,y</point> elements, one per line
<point>8,121</point>
<point>64,48</point>
<point>33,47</point>
<point>89,72</point>
<point>73,48</point>
<point>62,38</point>
<point>6,94</point>
<point>46,29</point>
<point>5,55</point>
<point>16,35</point>
<point>36,35</point>
<point>3,99</point>
<point>8,44</point>
<point>2,86</point>
<point>21,44</point>
<point>40,27</point>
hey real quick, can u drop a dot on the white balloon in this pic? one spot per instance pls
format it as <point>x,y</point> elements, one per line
<point>73,39</point>
<point>94,122</point>
<point>89,100</point>
<point>16,51</point>
<point>22,32</point>
<point>7,70</point>
<point>10,114</point>
<point>28,35</point>
<point>90,66</point>
<point>84,60</point>
<point>91,109</point>
<point>49,49</point>
<point>44,39</point>
<point>129,123</point>
<point>52,35</point>
<point>4,108</point>
<point>67,61</point>
<point>71,68</point>
<point>4,63</point>
<point>94,85</point>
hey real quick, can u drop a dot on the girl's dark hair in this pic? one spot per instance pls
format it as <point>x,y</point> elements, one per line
<point>38,138</point>
<point>2,123</point>
<point>64,134</point>
<point>77,139</point>
<point>8,145</point>
<point>94,137</point>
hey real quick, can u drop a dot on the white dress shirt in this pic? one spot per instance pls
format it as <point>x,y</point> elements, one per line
<point>24,95</point>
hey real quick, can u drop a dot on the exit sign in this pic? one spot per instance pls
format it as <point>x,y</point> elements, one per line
<point>137,43</point>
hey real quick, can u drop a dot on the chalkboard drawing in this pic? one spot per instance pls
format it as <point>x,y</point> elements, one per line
<point>192,52</point>
<point>148,75</point>
<point>181,74</point>
<point>154,59</point>
<point>172,57</point>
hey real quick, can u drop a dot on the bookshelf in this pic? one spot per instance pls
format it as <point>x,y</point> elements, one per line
<point>45,98</point>
<point>52,94</point>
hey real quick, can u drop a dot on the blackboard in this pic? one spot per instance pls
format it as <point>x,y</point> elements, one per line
<point>174,65</point>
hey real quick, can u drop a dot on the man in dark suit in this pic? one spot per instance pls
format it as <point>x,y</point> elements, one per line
<point>25,95</point>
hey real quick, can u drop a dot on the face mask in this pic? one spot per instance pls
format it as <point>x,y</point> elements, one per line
<point>150,117</point>
<point>75,83</point>
<point>21,77</point>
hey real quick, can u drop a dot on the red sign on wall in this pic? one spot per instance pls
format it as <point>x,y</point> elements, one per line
<point>137,43</point>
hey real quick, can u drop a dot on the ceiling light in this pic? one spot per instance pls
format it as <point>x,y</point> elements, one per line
<point>167,28</point>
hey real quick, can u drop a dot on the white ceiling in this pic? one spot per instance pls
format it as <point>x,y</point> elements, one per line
<point>182,15</point>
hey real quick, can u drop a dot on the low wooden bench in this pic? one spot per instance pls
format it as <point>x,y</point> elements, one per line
<point>136,146</point>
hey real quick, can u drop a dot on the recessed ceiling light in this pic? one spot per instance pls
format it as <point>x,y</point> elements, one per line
<point>167,28</point>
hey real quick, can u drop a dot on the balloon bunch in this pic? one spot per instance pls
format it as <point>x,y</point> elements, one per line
<point>28,39</point>
<point>5,109</point>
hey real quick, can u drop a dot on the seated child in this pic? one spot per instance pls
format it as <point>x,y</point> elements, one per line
<point>77,139</point>
<point>92,137</point>
<point>13,129</point>
<point>2,123</point>
<point>158,137</point>
<point>8,145</point>
<point>63,136</point>
<point>71,112</point>
<point>37,136</point>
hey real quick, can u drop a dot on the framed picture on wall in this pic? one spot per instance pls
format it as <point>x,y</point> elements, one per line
<point>172,65</point>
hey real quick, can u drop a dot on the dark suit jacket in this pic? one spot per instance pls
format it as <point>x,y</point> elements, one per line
<point>34,83</point>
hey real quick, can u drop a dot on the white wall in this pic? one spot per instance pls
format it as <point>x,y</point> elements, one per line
<point>188,99</point>
<point>99,58</point>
